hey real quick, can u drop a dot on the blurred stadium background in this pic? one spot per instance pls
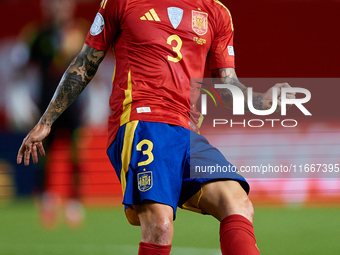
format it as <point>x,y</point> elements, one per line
<point>275,41</point>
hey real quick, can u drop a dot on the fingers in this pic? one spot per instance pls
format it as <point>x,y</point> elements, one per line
<point>32,144</point>
<point>27,148</point>
<point>282,85</point>
<point>278,108</point>
<point>35,148</point>
<point>27,155</point>
<point>35,154</point>
<point>41,149</point>
<point>290,95</point>
<point>20,153</point>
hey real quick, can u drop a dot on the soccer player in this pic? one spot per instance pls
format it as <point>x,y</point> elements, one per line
<point>159,46</point>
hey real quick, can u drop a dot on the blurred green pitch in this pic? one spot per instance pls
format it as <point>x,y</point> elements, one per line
<point>106,231</point>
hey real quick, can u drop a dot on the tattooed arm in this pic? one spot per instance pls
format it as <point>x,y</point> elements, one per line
<point>228,76</point>
<point>261,101</point>
<point>75,79</point>
<point>79,73</point>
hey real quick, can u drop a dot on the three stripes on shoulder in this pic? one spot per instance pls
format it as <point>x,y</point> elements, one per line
<point>150,15</point>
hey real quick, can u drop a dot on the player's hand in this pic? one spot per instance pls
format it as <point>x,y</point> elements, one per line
<point>32,143</point>
<point>268,97</point>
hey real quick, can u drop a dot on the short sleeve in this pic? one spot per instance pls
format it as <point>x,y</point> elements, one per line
<point>106,25</point>
<point>221,54</point>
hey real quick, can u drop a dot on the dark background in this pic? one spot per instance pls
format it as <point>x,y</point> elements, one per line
<point>273,38</point>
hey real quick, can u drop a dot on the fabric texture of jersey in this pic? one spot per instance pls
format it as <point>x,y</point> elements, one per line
<point>155,161</point>
<point>159,46</point>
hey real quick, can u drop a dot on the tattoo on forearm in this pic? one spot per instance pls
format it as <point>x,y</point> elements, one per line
<point>80,72</point>
<point>228,76</point>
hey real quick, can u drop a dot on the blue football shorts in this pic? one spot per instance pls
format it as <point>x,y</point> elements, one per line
<point>152,161</point>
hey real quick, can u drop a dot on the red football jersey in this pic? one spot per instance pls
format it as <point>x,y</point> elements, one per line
<point>159,46</point>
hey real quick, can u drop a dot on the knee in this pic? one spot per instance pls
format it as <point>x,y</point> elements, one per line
<point>245,208</point>
<point>242,206</point>
<point>159,231</point>
<point>156,221</point>
<point>222,199</point>
<point>237,205</point>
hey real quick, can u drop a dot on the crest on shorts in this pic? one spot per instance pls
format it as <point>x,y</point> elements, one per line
<point>145,181</point>
<point>200,22</point>
<point>175,16</point>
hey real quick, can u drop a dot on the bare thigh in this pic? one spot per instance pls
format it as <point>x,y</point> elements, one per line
<point>226,197</point>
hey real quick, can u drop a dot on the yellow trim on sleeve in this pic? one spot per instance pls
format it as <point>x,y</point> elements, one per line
<point>231,19</point>
<point>103,4</point>
<point>127,151</point>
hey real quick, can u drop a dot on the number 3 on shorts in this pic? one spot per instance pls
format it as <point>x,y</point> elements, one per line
<point>148,151</point>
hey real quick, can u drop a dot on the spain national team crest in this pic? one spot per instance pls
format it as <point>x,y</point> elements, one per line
<point>144,181</point>
<point>200,22</point>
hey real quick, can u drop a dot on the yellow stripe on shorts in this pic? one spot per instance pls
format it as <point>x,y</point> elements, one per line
<point>127,151</point>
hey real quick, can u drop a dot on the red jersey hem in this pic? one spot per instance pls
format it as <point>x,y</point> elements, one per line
<point>95,45</point>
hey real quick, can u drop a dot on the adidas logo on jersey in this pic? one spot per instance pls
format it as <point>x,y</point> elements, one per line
<point>150,15</point>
